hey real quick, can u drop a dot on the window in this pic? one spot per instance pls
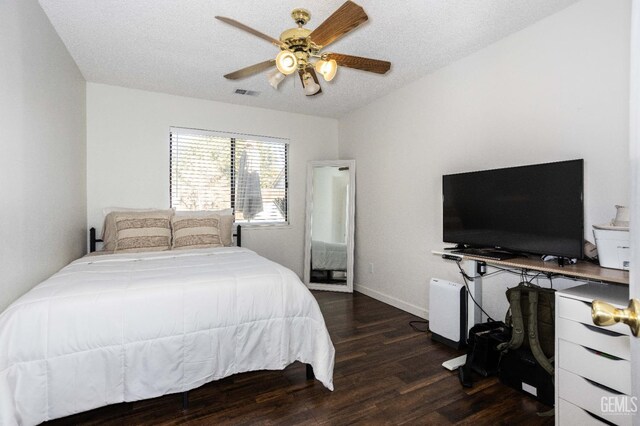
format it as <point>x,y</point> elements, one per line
<point>212,171</point>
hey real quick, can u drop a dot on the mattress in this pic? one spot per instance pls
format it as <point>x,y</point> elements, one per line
<point>125,327</point>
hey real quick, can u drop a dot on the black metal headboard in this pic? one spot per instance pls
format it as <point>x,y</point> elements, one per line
<point>93,240</point>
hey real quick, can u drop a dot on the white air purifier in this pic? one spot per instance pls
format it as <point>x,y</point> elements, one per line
<point>448,313</point>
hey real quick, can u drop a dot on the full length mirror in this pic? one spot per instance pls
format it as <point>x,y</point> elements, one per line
<point>329,229</point>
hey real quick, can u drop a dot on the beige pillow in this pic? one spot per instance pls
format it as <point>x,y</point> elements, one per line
<point>226,229</point>
<point>109,231</point>
<point>142,231</point>
<point>196,232</point>
<point>226,222</point>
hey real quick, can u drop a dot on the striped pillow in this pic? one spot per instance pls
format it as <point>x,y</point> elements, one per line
<point>143,231</point>
<point>196,232</point>
<point>109,231</point>
<point>225,226</point>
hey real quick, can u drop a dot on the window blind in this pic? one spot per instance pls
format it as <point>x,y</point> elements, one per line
<point>213,170</point>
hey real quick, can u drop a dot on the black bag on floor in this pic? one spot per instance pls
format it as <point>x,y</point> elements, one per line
<point>520,370</point>
<point>483,355</point>
<point>527,362</point>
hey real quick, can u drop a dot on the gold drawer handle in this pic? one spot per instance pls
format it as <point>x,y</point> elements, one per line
<point>604,314</point>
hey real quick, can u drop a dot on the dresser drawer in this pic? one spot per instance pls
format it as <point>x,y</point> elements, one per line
<point>594,337</point>
<point>580,311</point>
<point>591,397</point>
<point>572,415</point>
<point>611,372</point>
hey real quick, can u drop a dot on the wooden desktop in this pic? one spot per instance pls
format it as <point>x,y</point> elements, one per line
<point>582,269</point>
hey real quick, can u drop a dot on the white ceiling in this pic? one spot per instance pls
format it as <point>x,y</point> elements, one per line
<point>177,47</point>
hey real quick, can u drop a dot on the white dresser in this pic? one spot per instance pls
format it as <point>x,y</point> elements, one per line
<point>593,371</point>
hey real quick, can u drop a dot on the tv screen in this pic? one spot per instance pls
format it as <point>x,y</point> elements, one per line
<point>533,209</point>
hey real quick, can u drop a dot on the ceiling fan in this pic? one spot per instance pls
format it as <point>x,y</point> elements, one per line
<point>301,49</point>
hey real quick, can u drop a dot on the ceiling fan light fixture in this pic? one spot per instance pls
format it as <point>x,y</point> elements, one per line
<point>301,49</point>
<point>310,86</point>
<point>328,68</point>
<point>286,62</point>
<point>275,77</point>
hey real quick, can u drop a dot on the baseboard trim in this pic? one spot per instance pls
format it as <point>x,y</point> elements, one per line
<point>390,300</point>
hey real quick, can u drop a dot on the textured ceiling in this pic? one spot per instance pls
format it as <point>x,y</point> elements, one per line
<point>177,47</point>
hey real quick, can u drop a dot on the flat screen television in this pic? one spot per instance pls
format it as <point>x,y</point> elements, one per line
<point>534,209</point>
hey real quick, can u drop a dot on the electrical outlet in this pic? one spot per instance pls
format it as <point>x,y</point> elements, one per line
<point>371,268</point>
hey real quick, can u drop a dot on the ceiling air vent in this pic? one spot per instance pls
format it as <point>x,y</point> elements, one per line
<point>246,92</point>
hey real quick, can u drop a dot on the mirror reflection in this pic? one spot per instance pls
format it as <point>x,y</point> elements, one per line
<point>329,250</point>
<point>329,225</point>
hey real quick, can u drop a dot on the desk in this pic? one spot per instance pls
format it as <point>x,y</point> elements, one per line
<point>581,270</point>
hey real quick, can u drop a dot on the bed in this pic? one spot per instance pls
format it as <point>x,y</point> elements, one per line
<point>328,256</point>
<point>131,326</point>
<point>328,262</point>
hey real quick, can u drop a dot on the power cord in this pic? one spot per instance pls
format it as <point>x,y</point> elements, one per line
<point>523,274</point>
<point>466,284</point>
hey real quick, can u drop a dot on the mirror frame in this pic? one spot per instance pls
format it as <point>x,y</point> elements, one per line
<point>351,164</point>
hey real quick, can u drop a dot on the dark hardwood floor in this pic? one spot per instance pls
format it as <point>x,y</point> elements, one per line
<point>385,373</point>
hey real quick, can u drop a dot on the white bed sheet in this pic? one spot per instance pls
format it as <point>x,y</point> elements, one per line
<point>125,327</point>
<point>328,256</point>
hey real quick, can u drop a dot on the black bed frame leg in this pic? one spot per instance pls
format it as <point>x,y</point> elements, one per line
<point>185,400</point>
<point>310,375</point>
<point>92,240</point>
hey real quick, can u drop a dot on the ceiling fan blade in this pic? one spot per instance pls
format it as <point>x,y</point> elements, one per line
<point>364,64</point>
<point>311,71</point>
<point>346,18</point>
<point>250,70</point>
<point>250,30</point>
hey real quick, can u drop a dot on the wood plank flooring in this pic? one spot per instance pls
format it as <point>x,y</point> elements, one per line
<point>385,373</point>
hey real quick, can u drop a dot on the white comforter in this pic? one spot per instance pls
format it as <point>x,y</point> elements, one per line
<point>124,327</point>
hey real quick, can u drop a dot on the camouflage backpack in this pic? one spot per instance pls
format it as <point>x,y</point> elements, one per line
<point>532,310</point>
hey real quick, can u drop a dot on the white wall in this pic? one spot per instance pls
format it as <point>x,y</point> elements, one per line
<point>557,90</point>
<point>42,165</point>
<point>128,155</point>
